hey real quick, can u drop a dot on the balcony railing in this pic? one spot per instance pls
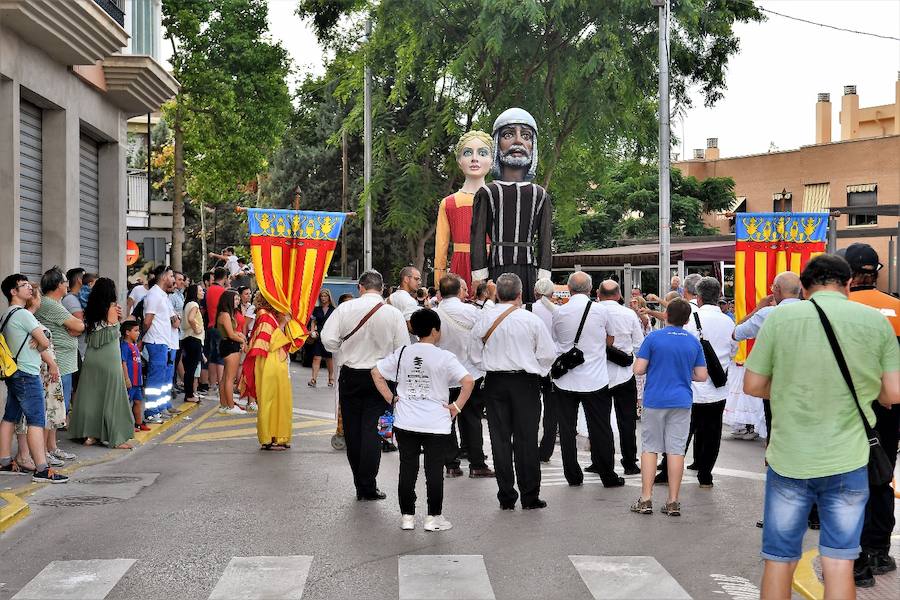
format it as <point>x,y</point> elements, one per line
<point>115,9</point>
<point>138,202</point>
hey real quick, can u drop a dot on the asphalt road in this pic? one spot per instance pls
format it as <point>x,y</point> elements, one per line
<point>168,519</point>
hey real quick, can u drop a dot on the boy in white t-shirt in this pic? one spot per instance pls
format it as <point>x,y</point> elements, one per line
<point>424,374</point>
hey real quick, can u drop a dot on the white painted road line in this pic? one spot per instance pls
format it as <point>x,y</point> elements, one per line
<point>627,578</point>
<point>75,580</point>
<point>313,413</point>
<point>444,577</point>
<point>263,578</point>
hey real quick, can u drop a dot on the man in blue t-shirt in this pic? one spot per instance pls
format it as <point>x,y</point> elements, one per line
<point>671,358</point>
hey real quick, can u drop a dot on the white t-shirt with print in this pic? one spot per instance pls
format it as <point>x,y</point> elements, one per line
<point>425,377</point>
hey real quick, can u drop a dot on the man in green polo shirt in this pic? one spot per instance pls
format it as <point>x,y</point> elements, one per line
<point>818,449</point>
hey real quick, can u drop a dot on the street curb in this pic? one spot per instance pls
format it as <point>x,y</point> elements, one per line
<point>17,509</point>
<point>14,510</point>
<point>184,409</point>
<point>806,582</point>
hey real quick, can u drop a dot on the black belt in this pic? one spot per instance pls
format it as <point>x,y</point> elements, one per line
<point>356,370</point>
<point>517,372</point>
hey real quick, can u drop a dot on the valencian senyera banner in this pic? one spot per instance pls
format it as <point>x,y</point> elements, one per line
<point>291,251</point>
<point>767,244</point>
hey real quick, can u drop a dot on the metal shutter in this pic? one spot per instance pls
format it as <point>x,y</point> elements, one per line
<point>30,191</point>
<point>89,209</point>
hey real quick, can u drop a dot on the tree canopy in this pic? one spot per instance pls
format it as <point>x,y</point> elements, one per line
<point>585,69</point>
<point>234,103</point>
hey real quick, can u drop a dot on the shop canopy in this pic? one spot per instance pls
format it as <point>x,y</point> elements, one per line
<point>647,255</point>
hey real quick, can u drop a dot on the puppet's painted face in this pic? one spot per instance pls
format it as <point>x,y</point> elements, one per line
<point>475,159</point>
<point>516,145</point>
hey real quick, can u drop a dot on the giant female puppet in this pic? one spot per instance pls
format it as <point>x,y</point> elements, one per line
<point>514,213</point>
<point>474,154</point>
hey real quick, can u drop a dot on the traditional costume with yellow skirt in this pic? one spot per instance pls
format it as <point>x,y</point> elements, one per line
<point>265,377</point>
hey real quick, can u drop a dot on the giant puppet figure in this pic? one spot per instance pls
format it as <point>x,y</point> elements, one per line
<point>513,212</point>
<point>474,154</point>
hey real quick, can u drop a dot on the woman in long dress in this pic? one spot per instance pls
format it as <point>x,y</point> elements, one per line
<point>265,377</point>
<point>102,413</point>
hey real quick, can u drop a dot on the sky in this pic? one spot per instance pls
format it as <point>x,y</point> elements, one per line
<point>772,81</point>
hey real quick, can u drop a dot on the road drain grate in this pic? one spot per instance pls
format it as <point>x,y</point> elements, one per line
<point>67,501</point>
<point>109,479</point>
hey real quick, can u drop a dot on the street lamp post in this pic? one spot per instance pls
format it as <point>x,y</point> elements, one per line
<point>367,153</point>
<point>665,214</point>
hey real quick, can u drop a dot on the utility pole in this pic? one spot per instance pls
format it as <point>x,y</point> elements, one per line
<point>665,209</point>
<point>367,153</point>
<point>345,184</point>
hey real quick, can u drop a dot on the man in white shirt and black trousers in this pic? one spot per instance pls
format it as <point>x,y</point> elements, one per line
<point>623,324</point>
<point>709,400</point>
<point>587,384</point>
<point>514,349</point>
<point>457,320</point>
<point>364,330</point>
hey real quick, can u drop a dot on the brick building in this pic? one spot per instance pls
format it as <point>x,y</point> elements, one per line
<point>857,176</point>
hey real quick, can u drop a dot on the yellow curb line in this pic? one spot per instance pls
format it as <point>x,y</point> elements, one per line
<point>14,511</point>
<point>184,409</point>
<point>190,440</point>
<point>806,582</point>
<point>234,433</point>
<point>188,428</point>
<point>22,509</point>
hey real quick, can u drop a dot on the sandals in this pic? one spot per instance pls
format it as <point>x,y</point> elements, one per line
<point>311,383</point>
<point>331,383</point>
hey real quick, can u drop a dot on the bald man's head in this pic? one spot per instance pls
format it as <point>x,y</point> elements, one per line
<point>580,283</point>
<point>786,285</point>
<point>609,290</point>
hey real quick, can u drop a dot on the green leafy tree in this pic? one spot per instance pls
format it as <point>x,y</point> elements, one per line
<point>585,69</point>
<point>625,204</point>
<point>233,105</point>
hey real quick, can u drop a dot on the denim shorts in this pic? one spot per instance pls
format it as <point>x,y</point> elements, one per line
<point>25,396</point>
<point>214,337</point>
<point>842,505</point>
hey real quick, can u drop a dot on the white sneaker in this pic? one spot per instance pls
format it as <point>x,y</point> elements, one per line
<point>408,522</point>
<point>223,410</point>
<point>242,402</point>
<point>437,523</point>
<point>53,461</point>
<point>62,454</point>
<point>253,407</point>
<point>234,410</point>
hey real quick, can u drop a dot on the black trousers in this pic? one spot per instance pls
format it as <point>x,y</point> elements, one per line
<point>706,429</point>
<point>879,519</point>
<point>624,398</point>
<point>527,273</point>
<point>191,352</point>
<point>361,405</point>
<point>597,408</point>
<point>514,410</point>
<point>469,424</point>
<point>549,423</point>
<point>411,444</point>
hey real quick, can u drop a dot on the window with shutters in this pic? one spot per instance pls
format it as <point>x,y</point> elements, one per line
<point>861,199</point>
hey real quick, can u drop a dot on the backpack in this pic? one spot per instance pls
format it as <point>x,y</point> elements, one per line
<point>8,366</point>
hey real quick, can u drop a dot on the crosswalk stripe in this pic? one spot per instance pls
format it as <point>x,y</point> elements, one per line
<point>75,580</point>
<point>626,577</point>
<point>263,578</point>
<point>444,577</point>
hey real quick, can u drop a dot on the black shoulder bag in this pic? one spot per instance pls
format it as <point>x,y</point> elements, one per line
<point>880,469</point>
<point>572,357</point>
<point>717,374</point>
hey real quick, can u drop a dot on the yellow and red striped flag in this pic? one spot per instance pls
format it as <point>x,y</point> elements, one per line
<point>767,244</point>
<point>291,251</point>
